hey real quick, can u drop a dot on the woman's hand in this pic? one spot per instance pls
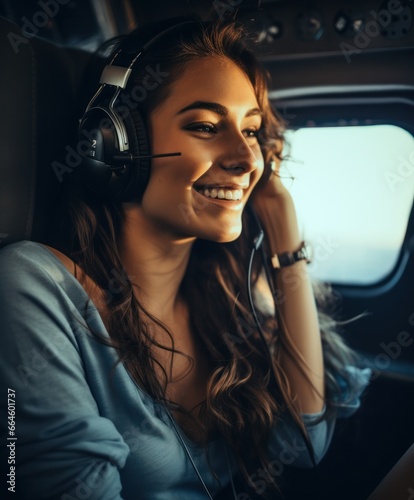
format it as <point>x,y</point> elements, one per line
<point>274,206</point>
<point>270,184</point>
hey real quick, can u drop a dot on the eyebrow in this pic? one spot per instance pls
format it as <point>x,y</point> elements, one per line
<point>216,108</point>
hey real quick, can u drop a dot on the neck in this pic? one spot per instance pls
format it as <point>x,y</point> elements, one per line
<point>155,261</point>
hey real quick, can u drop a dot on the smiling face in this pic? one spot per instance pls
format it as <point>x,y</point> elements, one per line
<point>212,117</point>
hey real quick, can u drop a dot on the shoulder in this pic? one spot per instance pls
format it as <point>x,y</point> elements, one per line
<point>33,281</point>
<point>41,301</point>
<point>27,258</point>
<point>26,263</point>
<point>31,266</point>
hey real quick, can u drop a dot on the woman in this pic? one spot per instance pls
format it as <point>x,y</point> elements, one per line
<point>140,369</point>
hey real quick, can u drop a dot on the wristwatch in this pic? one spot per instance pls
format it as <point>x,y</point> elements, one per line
<point>289,258</point>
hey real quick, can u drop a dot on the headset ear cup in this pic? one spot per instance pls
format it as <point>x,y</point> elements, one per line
<point>99,174</point>
<point>139,170</point>
<point>96,141</point>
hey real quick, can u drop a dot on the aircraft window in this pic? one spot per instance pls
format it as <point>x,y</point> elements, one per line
<point>353,188</point>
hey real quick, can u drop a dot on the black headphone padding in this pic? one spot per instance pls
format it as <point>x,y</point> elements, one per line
<point>139,171</point>
<point>100,175</point>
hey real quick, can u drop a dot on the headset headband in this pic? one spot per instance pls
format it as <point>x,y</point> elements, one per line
<point>118,76</point>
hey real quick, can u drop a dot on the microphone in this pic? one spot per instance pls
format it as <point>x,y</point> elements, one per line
<point>128,157</point>
<point>124,158</point>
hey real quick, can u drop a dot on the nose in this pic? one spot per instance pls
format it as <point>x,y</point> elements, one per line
<point>238,156</point>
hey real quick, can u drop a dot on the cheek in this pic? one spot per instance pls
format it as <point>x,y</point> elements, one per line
<point>179,175</point>
<point>171,180</point>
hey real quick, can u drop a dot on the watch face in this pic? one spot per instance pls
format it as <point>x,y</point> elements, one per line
<point>302,254</point>
<point>307,249</point>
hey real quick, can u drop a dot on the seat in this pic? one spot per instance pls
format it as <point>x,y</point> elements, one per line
<point>39,85</point>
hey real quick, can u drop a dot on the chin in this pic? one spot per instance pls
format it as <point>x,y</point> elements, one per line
<point>226,236</point>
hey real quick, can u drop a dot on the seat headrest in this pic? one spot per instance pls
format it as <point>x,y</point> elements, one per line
<point>38,88</point>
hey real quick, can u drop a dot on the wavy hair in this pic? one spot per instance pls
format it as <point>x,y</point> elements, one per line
<point>242,405</point>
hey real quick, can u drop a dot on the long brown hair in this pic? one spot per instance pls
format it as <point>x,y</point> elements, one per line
<point>242,403</point>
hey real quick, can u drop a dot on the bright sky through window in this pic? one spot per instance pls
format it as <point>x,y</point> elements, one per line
<point>353,189</point>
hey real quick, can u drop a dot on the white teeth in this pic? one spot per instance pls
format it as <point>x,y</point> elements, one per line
<point>221,194</point>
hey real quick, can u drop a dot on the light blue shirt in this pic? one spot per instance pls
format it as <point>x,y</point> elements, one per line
<point>84,429</point>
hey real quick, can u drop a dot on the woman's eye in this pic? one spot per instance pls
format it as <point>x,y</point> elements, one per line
<point>207,128</point>
<point>251,133</point>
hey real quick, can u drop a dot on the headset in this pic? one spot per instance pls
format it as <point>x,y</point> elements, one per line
<point>116,152</point>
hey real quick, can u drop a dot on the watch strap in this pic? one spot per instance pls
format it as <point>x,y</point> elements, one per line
<point>289,258</point>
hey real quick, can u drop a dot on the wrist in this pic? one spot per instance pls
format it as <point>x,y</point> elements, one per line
<point>287,259</point>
